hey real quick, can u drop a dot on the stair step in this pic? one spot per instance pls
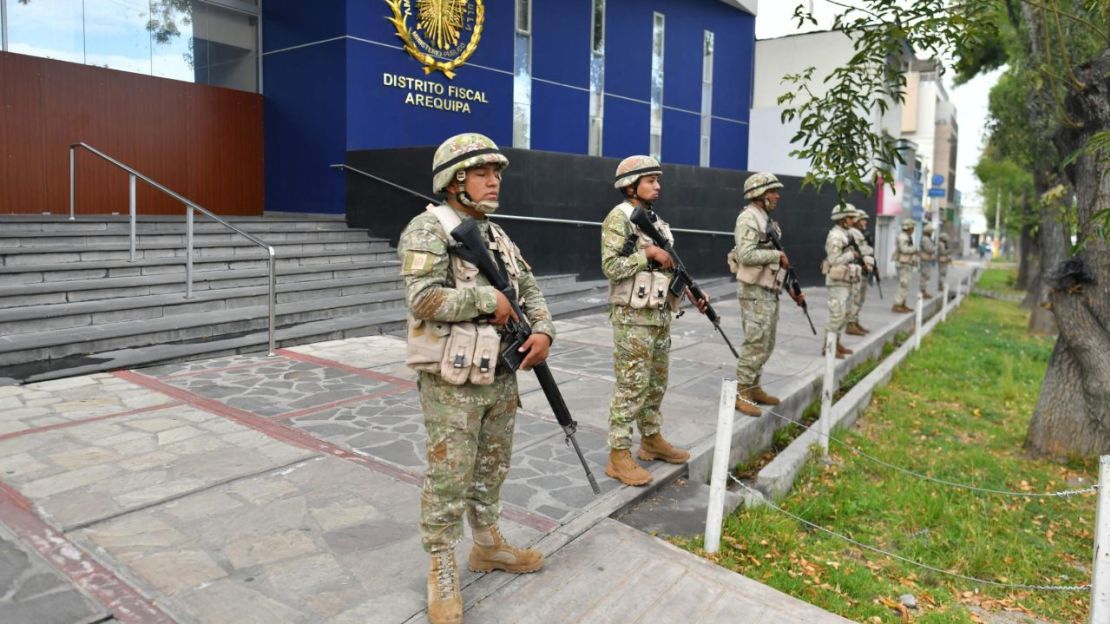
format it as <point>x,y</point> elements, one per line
<point>150,224</point>
<point>76,290</point>
<point>35,240</point>
<point>24,256</point>
<point>33,273</point>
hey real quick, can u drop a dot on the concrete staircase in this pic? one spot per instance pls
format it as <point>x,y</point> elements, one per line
<point>72,303</point>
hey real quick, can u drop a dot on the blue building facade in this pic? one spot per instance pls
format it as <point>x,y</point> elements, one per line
<point>592,77</point>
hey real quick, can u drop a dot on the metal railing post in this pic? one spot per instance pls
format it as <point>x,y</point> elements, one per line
<point>718,479</point>
<point>188,251</point>
<point>1100,577</point>
<point>918,313</point>
<point>944,303</point>
<point>827,390</point>
<point>72,177</point>
<point>131,218</point>
<point>273,297</point>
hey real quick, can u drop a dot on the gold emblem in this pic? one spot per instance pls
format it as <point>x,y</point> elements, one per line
<point>442,35</point>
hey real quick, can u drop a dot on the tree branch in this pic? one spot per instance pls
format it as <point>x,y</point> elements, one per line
<point>1098,31</point>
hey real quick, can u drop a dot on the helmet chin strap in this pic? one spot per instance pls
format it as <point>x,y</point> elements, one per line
<point>484,206</point>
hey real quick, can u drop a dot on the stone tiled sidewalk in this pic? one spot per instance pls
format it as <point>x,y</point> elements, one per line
<point>286,488</point>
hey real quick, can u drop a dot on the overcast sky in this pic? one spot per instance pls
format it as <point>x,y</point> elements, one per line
<point>774,20</point>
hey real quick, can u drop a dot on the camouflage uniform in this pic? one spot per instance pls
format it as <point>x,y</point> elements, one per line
<point>641,342</point>
<point>469,427</point>
<point>905,256</point>
<point>855,299</point>
<point>838,253</point>
<point>759,306</point>
<point>944,258</point>
<point>927,256</point>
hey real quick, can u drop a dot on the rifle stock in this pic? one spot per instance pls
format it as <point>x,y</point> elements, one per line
<point>473,248</point>
<point>682,278</point>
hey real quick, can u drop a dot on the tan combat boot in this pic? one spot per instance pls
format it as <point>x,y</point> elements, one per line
<point>839,354</point>
<point>900,308</point>
<point>625,469</point>
<point>841,350</point>
<point>492,552</point>
<point>655,447</point>
<point>444,599</point>
<point>759,396</point>
<point>745,404</point>
<point>925,295</point>
<point>854,329</point>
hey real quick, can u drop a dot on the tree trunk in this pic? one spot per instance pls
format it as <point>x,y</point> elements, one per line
<point>1054,250</point>
<point>1027,243</point>
<point>1072,417</point>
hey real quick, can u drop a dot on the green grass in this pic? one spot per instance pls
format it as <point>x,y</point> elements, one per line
<point>957,409</point>
<point>1000,280</point>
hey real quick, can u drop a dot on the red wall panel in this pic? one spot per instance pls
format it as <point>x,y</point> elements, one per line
<point>204,142</point>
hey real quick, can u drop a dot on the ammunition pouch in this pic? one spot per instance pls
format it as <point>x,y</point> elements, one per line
<point>645,289</point>
<point>850,273</point>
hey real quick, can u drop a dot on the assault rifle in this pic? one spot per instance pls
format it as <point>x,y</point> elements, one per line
<point>473,249</point>
<point>870,273</point>
<point>682,278</point>
<point>791,282</point>
<point>874,269</point>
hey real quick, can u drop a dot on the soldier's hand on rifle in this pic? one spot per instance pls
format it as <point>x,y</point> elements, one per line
<point>701,304</point>
<point>659,256</point>
<point>504,310</point>
<point>537,347</point>
<point>799,298</point>
<point>784,262</point>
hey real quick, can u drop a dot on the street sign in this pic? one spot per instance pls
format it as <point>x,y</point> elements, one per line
<point>936,191</point>
<point>938,180</point>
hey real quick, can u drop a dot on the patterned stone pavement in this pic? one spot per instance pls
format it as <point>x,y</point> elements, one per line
<point>286,488</point>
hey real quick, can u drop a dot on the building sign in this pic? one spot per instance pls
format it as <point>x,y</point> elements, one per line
<point>440,34</point>
<point>432,94</point>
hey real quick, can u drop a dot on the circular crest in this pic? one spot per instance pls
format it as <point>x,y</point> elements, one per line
<point>440,34</point>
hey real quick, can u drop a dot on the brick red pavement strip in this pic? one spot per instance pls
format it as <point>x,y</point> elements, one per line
<point>82,421</point>
<point>312,359</point>
<point>302,439</point>
<point>125,602</point>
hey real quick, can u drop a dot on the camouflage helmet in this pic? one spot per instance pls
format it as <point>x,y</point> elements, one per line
<point>461,152</point>
<point>861,215</point>
<point>928,229</point>
<point>908,224</point>
<point>843,211</point>
<point>759,183</point>
<point>635,167</point>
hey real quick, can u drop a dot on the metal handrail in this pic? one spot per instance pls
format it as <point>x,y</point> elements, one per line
<point>508,216</point>
<point>190,206</point>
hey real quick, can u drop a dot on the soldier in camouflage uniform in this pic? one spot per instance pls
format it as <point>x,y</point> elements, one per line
<point>905,257</point>
<point>927,255</point>
<point>944,258</point>
<point>640,312</point>
<point>842,268</point>
<point>859,289</point>
<point>760,270</point>
<point>469,424</point>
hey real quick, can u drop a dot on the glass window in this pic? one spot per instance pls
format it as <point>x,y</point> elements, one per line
<point>47,28</point>
<point>522,78</point>
<point>597,79</point>
<point>706,98</point>
<point>205,41</point>
<point>655,144</point>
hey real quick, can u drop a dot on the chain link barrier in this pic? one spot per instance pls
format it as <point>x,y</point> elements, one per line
<point>925,566</point>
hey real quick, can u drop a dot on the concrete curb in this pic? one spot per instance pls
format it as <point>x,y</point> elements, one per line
<point>777,478</point>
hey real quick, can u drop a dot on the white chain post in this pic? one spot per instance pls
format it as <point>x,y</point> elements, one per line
<point>917,323</point>
<point>1100,579</point>
<point>718,479</point>
<point>827,391</point>
<point>944,303</point>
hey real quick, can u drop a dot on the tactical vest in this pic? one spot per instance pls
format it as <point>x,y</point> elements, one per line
<point>942,250</point>
<point>645,289</point>
<point>850,272</point>
<point>901,257</point>
<point>463,352</point>
<point>768,276</point>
